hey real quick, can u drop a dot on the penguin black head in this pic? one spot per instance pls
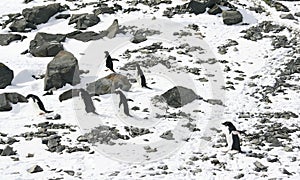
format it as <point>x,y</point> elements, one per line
<point>106,53</point>
<point>229,125</point>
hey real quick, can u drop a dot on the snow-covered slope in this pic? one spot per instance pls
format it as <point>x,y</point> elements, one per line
<point>240,80</point>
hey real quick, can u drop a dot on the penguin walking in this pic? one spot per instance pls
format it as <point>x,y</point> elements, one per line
<point>109,61</point>
<point>88,102</point>
<point>37,103</point>
<point>124,101</point>
<point>232,137</point>
<point>142,76</point>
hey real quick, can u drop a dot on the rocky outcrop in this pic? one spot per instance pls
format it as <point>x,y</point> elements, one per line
<point>86,36</point>
<point>46,45</point>
<point>109,84</point>
<point>41,14</point>
<point>179,96</point>
<point>232,17</point>
<point>6,76</point>
<point>21,25</point>
<point>197,7</point>
<point>83,21</point>
<point>5,39</point>
<point>61,70</point>
<point>7,98</point>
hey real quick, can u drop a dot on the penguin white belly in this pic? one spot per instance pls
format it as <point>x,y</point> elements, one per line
<point>228,139</point>
<point>139,80</point>
<point>35,107</point>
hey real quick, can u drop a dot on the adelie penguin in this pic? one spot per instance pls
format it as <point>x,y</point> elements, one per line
<point>37,104</point>
<point>141,76</point>
<point>109,61</point>
<point>124,101</point>
<point>88,102</point>
<point>232,137</point>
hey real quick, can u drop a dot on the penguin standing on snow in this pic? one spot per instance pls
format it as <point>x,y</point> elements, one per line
<point>142,76</point>
<point>232,137</point>
<point>109,61</point>
<point>124,101</point>
<point>89,105</point>
<point>37,103</point>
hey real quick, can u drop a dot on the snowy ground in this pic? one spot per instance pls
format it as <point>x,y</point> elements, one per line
<point>195,158</point>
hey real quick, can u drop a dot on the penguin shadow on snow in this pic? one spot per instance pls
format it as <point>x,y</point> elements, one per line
<point>233,137</point>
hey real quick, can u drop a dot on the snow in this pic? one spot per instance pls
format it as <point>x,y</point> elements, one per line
<point>131,160</point>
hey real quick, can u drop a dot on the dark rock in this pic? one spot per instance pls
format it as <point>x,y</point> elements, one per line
<point>41,14</point>
<point>138,38</point>
<point>61,70</point>
<point>168,135</point>
<point>214,10</point>
<point>239,176</point>
<point>135,108</point>
<point>11,18</point>
<point>86,36</point>
<point>5,39</point>
<point>7,98</point>
<point>297,14</point>
<point>35,169</point>
<point>284,171</point>
<point>83,21</point>
<point>197,6</point>
<point>280,41</point>
<point>70,172</point>
<point>280,7</point>
<point>54,117</point>
<point>104,9</point>
<point>62,16</point>
<point>135,131</point>
<point>21,25</point>
<point>69,94</point>
<point>8,151</point>
<point>179,96</point>
<point>46,45</point>
<point>11,140</point>
<point>27,1</point>
<point>82,139</point>
<point>287,16</point>
<point>109,84</point>
<point>6,76</point>
<point>260,167</point>
<point>232,17</point>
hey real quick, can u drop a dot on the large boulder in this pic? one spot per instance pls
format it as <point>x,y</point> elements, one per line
<point>6,76</point>
<point>83,21</point>
<point>109,84</point>
<point>7,98</point>
<point>197,6</point>
<point>214,10</point>
<point>61,70</point>
<point>21,25</point>
<point>232,17</point>
<point>86,36</point>
<point>5,39</point>
<point>41,14</point>
<point>179,96</point>
<point>46,45</point>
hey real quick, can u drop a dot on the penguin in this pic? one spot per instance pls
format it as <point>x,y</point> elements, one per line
<point>124,101</point>
<point>109,61</point>
<point>142,76</point>
<point>38,104</point>
<point>232,137</point>
<point>89,105</point>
